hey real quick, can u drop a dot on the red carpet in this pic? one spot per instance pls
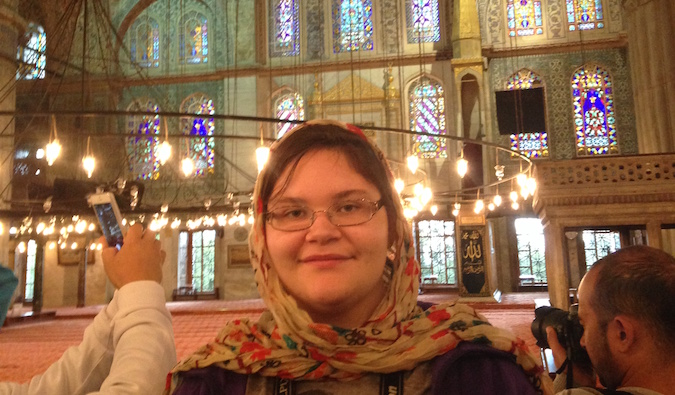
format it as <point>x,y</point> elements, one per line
<point>28,348</point>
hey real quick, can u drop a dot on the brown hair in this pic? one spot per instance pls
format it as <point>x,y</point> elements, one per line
<point>310,137</point>
<point>638,281</point>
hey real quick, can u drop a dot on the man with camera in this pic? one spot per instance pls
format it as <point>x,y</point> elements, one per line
<point>627,310</point>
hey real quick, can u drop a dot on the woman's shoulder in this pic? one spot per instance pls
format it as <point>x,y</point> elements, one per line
<point>472,368</point>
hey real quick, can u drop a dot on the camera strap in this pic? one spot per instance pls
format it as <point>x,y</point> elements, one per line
<point>390,384</point>
<point>563,366</point>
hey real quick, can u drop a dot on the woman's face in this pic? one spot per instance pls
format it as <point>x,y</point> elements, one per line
<point>334,273</point>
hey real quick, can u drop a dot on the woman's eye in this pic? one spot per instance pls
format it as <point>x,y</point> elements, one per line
<point>349,207</point>
<point>294,213</point>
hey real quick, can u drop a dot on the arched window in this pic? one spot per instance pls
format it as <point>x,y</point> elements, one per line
<point>535,144</point>
<point>200,149</point>
<point>32,56</point>
<point>584,14</point>
<point>288,106</point>
<point>284,30</point>
<point>143,131</point>
<point>193,40</point>
<point>427,114</point>
<point>593,104</point>
<point>352,25</point>
<point>423,21</point>
<point>144,42</point>
<point>524,17</point>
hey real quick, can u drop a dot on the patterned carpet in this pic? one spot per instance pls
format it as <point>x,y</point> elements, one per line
<point>28,347</point>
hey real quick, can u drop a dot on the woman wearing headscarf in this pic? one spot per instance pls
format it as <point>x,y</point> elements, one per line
<point>334,264</point>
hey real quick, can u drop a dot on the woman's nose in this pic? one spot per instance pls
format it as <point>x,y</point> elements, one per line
<point>322,228</point>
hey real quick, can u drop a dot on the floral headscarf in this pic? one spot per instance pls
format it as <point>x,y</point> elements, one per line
<point>286,343</point>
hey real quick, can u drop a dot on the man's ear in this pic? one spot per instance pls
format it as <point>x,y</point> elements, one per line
<point>622,332</point>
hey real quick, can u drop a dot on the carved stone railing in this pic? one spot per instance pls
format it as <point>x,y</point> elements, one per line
<point>606,180</point>
<point>612,191</point>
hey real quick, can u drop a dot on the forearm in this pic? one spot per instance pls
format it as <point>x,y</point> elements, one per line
<point>128,349</point>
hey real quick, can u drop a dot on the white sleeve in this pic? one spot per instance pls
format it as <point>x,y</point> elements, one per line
<point>128,349</point>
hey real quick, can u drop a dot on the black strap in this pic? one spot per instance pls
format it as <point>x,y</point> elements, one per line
<point>563,366</point>
<point>390,384</point>
<point>284,386</point>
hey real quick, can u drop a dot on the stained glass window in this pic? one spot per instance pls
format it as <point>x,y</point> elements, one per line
<point>352,25</point>
<point>197,270</point>
<point>144,42</point>
<point>285,30</point>
<point>423,22</point>
<point>289,106</point>
<point>524,17</point>
<point>532,145</point>
<point>436,244</point>
<point>584,14</point>
<point>427,114</point>
<point>194,43</point>
<point>531,251</point>
<point>599,243</point>
<point>593,104</point>
<point>32,56</point>
<point>143,131</point>
<point>201,149</point>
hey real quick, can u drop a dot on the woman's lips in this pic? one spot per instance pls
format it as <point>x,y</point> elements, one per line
<point>324,259</point>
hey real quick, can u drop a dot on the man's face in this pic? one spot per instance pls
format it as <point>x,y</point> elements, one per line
<point>595,339</point>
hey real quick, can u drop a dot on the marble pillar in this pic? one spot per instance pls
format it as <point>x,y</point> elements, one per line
<point>651,26</point>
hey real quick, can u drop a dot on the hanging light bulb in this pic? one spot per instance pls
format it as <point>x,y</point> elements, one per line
<point>491,206</point>
<point>479,206</point>
<point>462,167</point>
<point>515,205</point>
<point>52,245</point>
<point>521,179</point>
<point>73,246</point>
<point>434,209</point>
<point>497,200</point>
<point>188,166</point>
<point>531,185</point>
<point>52,151</point>
<point>164,152</point>
<point>89,163</point>
<point>221,219</point>
<point>399,185</point>
<point>413,163</point>
<point>22,247</point>
<point>426,195</point>
<point>513,196</point>
<point>175,223</point>
<point>262,154</point>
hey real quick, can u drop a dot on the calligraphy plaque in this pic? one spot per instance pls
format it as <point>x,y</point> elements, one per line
<point>472,262</point>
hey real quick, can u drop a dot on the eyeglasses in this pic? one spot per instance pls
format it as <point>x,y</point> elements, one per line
<point>344,213</point>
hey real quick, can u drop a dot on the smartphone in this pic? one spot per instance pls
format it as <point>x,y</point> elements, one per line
<point>109,216</point>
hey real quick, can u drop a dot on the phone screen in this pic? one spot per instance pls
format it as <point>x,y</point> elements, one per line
<point>111,229</point>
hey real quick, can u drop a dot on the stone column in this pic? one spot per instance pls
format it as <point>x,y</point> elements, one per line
<point>11,26</point>
<point>651,27</point>
<point>557,269</point>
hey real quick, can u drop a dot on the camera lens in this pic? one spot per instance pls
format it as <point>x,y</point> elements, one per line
<point>544,317</point>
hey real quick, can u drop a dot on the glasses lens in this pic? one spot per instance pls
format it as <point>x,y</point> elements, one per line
<point>352,212</point>
<point>291,218</point>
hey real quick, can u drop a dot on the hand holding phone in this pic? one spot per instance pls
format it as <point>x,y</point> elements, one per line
<point>110,218</point>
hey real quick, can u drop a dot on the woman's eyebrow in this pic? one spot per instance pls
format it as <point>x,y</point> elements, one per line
<point>287,201</point>
<point>351,193</point>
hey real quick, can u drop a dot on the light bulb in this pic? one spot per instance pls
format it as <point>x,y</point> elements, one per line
<point>418,189</point>
<point>458,206</point>
<point>22,247</point>
<point>221,219</point>
<point>497,200</point>
<point>188,166</point>
<point>426,195</point>
<point>515,205</point>
<point>399,185</point>
<point>491,206</point>
<point>521,179</point>
<point>52,151</point>
<point>434,209</point>
<point>531,185</point>
<point>261,155</point>
<point>52,245</point>
<point>164,152</point>
<point>479,206</point>
<point>462,167</point>
<point>81,226</point>
<point>413,163</point>
<point>513,196</point>
<point>40,228</point>
<point>89,163</point>
<point>73,246</point>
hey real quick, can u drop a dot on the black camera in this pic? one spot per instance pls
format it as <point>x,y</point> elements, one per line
<point>568,329</point>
